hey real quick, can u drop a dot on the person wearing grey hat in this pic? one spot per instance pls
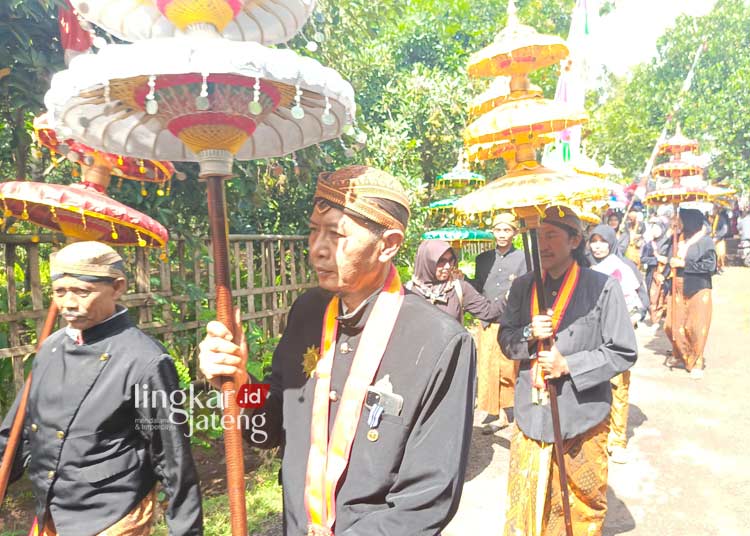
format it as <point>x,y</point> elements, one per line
<point>94,444</point>
<point>496,374</point>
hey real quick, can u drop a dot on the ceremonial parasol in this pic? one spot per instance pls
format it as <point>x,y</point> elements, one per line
<point>460,177</point>
<point>124,167</point>
<point>199,97</point>
<point>517,49</point>
<point>675,194</point>
<point>81,212</point>
<point>678,144</point>
<point>524,120</point>
<point>499,93</point>
<point>458,236</point>
<point>263,21</point>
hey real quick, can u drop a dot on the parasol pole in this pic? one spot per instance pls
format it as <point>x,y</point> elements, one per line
<point>673,271</point>
<point>14,438</point>
<point>551,386</point>
<point>216,166</point>
<point>526,246</point>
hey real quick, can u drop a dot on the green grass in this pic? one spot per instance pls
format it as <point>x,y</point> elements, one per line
<point>263,501</point>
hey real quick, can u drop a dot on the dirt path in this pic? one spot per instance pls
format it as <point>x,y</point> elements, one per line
<point>689,473</point>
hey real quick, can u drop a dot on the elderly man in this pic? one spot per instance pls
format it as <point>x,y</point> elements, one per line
<point>495,271</point>
<point>592,341</point>
<point>371,386</point>
<point>93,444</point>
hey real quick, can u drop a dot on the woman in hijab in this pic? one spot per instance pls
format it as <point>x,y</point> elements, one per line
<point>614,220</point>
<point>603,247</point>
<point>695,262</point>
<point>653,256</point>
<point>433,279</point>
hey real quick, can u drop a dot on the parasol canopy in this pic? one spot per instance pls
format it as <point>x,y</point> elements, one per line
<point>523,120</point>
<point>81,212</point>
<point>678,144</point>
<point>451,234</point>
<point>459,178</point>
<point>528,192</point>
<point>263,21</point>
<point>676,195</point>
<point>676,168</point>
<point>136,169</point>
<point>517,49</point>
<point>499,93</point>
<point>442,204</point>
<point>173,98</point>
<point>585,165</point>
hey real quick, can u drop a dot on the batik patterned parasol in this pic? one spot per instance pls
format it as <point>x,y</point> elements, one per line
<point>263,21</point>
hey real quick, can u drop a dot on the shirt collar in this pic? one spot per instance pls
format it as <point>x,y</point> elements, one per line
<point>77,334</point>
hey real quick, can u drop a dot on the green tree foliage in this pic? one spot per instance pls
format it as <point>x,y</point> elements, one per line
<point>29,48</point>
<point>633,110</point>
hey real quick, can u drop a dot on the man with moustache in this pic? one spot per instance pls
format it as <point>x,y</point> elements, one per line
<point>495,272</point>
<point>371,386</point>
<point>592,341</point>
<point>93,455</point>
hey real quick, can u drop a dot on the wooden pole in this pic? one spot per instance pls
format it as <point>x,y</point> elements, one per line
<point>225,314</point>
<point>14,438</point>
<point>552,387</point>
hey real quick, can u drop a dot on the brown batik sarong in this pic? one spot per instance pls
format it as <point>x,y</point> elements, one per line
<point>496,373</point>
<point>534,495</point>
<point>618,416</point>
<point>692,317</point>
<point>138,522</point>
<point>657,298</point>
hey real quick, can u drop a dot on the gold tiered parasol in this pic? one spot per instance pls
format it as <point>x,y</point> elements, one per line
<point>517,125</point>
<point>521,121</point>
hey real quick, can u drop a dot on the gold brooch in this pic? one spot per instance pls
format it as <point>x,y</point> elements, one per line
<point>310,360</point>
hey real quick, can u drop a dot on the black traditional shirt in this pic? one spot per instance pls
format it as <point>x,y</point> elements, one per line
<point>495,272</point>
<point>595,336</point>
<point>92,453</point>
<point>408,482</point>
